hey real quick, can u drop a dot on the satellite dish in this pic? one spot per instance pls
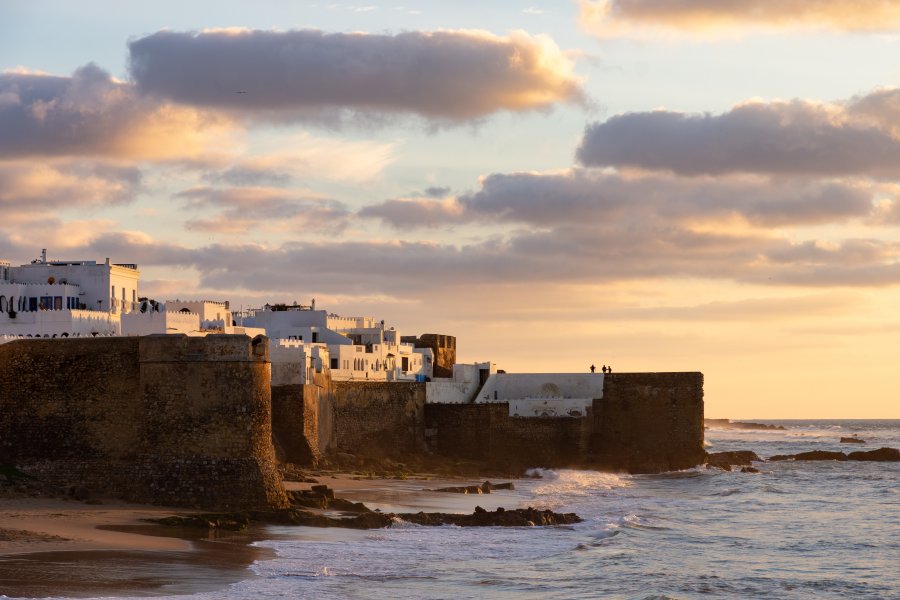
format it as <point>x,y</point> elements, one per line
<point>51,280</point>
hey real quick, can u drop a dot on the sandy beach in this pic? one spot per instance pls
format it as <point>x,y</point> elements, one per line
<point>54,547</point>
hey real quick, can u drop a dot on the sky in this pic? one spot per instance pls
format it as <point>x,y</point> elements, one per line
<point>654,185</point>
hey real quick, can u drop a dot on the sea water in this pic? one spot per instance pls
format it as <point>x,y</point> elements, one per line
<point>794,530</point>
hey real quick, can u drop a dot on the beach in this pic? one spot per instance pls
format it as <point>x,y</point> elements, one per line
<point>54,547</point>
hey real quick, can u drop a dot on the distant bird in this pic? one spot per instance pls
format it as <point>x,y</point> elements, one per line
<point>241,92</point>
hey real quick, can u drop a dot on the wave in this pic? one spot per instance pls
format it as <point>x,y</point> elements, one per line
<point>571,483</point>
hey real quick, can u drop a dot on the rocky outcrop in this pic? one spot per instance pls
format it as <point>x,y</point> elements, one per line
<point>880,455</point>
<point>813,455</point>
<point>484,488</point>
<point>737,458</point>
<point>520,517</point>
<point>729,424</point>
<point>852,440</point>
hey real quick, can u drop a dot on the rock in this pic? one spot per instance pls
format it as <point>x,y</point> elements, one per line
<point>852,440</point>
<point>348,506</point>
<point>814,455</point>
<point>880,455</point>
<point>729,424</point>
<point>503,486</point>
<point>724,460</point>
<point>749,470</point>
<point>324,490</point>
<point>520,517</point>
<point>467,489</point>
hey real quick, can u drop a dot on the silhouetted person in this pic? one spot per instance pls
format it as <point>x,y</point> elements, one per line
<point>593,368</point>
<point>609,369</point>
<point>604,368</point>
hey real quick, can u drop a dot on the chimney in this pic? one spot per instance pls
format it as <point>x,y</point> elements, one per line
<point>107,261</point>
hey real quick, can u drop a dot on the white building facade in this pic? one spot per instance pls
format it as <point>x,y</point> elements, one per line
<point>359,348</point>
<point>66,298</point>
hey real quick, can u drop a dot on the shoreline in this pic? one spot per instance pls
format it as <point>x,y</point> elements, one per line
<point>55,547</point>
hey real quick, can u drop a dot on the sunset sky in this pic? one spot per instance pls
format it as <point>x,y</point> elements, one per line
<point>658,185</point>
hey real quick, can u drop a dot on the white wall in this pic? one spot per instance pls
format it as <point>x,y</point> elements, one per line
<point>207,309</point>
<point>503,387</point>
<point>549,407</point>
<point>153,322</point>
<point>457,390</point>
<point>47,323</point>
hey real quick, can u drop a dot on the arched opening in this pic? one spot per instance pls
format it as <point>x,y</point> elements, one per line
<point>3,306</point>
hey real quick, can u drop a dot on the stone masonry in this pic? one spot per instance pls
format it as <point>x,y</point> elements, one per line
<point>162,419</point>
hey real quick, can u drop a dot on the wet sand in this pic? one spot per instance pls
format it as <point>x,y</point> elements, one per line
<point>58,548</point>
<point>54,547</point>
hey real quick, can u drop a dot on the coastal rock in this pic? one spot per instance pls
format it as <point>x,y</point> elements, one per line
<point>852,440</point>
<point>725,460</point>
<point>749,470</point>
<point>880,455</point>
<point>484,488</point>
<point>520,517</point>
<point>729,424</point>
<point>813,455</point>
<point>464,489</point>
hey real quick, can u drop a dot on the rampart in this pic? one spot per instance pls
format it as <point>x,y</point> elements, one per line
<point>190,421</point>
<point>379,419</point>
<point>163,419</point>
<point>302,419</point>
<point>644,423</point>
<point>649,422</point>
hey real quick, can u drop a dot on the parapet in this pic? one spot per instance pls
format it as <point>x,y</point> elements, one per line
<point>210,348</point>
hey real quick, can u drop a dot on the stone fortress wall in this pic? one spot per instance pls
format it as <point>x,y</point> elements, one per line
<point>163,419</point>
<point>191,421</point>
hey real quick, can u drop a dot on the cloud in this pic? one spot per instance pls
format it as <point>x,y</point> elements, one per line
<point>440,75</point>
<point>594,251</point>
<point>93,115</point>
<point>310,157</point>
<point>623,17</point>
<point>596,197</point>
<point>408,213</point>
<point>47,187</point>
<point>787,138</point>
<point>268,209</point>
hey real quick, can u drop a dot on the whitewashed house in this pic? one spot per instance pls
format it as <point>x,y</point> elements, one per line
<point>50,298</point>
<point>359,348</point>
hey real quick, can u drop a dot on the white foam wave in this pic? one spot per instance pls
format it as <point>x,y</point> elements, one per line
<point>570,483</point>
<point>398,523</point>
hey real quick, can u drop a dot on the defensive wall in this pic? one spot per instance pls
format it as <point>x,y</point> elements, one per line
<point>173,420</point>
<point>375,419</point>
<point>190,420</point>
<point>644,422</point>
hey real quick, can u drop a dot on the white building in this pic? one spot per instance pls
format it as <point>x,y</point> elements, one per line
<point>55,298</point>
<point>295,362</point>
<point>49,298</point>
<point>359,348</point>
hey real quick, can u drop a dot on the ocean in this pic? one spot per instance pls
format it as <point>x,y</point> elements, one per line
<point>794,530</point>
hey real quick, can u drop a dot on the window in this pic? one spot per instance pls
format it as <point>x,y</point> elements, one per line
<point>334,363</point>
<point>57,303</point>
<point>134,295</point>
